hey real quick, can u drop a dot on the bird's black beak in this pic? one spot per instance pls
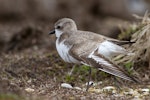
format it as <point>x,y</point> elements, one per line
<point>51,32</point>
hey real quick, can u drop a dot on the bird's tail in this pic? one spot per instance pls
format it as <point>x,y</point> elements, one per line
<point>104,64</point>
<point>118,42</point>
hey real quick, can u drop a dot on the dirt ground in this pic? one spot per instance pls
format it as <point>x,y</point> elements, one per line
<point>32,70</point>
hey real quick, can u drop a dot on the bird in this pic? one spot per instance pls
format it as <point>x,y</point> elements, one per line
<point>89,48</point>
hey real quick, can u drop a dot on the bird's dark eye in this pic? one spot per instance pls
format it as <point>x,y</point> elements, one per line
<point>58,27</point>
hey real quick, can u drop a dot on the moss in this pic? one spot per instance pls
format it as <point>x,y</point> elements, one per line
<point>80,74</point>
<point>10,97</point>
<point>128,67</point>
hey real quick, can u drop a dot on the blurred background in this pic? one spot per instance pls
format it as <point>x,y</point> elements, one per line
<point>25,23</point>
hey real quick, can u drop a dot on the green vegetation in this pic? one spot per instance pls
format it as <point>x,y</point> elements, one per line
<point>129,67</point>
<point>10,97</point>
<point>81,74</point>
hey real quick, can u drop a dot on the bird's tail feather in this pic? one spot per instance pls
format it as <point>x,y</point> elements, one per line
<point>104,64</point>
<point>121,42</point>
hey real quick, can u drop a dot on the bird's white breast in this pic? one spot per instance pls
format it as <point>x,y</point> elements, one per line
<point>63,51</point>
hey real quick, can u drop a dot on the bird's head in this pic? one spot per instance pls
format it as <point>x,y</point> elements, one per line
<point>63,25</point>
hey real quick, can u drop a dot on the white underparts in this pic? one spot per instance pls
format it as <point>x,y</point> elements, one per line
<point>58,33</point>
<point>63,52</point>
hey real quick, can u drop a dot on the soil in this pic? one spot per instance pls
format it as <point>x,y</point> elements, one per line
<point>31,69</point>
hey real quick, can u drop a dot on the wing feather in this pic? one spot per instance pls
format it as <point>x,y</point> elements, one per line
<point>104,64</point>
<point>87,53</point>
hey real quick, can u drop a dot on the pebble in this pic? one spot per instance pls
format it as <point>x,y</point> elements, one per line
<point>78,88</point>
<point>29,90</point>
<point>66,85</point>
<point>109,88</point>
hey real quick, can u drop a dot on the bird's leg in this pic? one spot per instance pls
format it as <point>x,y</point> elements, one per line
<point>117,82</point>
<point>70,73</point>
<point>89,78</point>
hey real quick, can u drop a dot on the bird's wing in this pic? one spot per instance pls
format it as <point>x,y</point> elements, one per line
<point>82,49</point>
<point>94,59</point>
<point>104,64</point>
<point>101,38</point>
<point>86,50</point>
<point>98,37</point>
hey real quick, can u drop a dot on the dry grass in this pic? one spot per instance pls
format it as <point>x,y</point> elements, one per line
<point>139,62</point>
<point>142,46</point>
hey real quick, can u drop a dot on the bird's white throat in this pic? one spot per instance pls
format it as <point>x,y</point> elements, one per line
<point>58,33</point>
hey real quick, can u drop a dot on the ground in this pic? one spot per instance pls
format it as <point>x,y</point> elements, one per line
<point>31,69</point>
